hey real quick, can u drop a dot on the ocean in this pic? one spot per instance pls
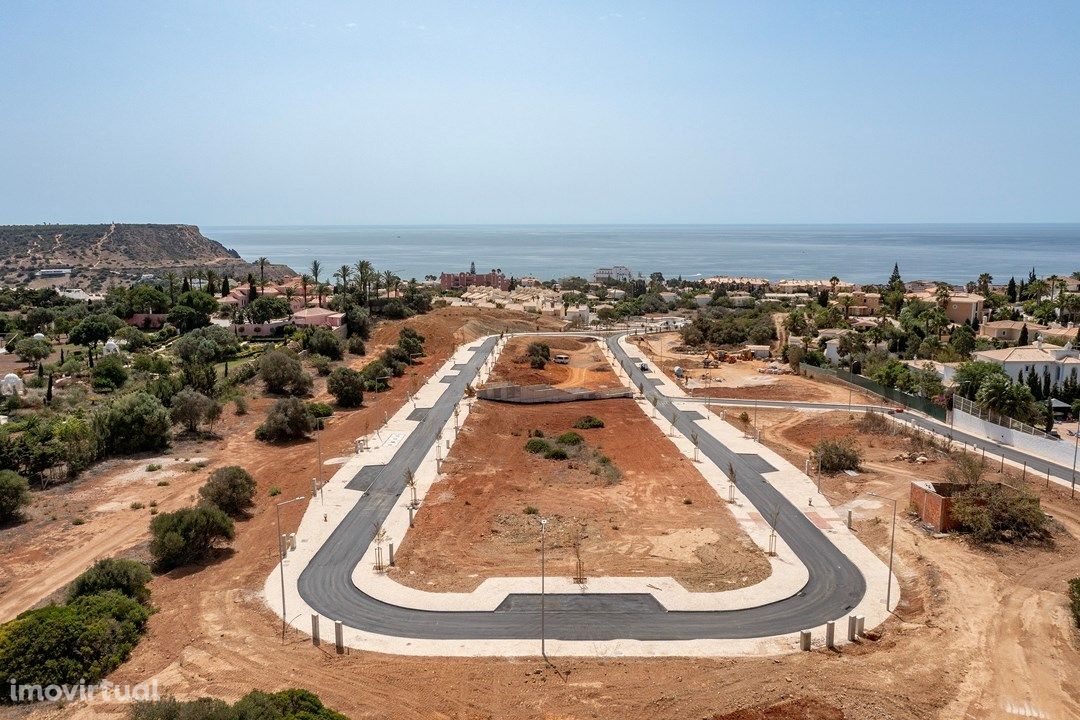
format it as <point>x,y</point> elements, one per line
<point>856,253</point>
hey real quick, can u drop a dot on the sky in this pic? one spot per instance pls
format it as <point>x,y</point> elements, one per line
<point>271,113</point>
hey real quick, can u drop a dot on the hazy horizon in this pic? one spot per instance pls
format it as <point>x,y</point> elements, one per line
<point>488,113</point>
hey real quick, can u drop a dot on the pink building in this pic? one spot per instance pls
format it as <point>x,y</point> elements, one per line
<point>318,317</point>
<point>462,281</point>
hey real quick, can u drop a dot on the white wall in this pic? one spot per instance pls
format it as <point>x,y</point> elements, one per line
<point>1058,451</point>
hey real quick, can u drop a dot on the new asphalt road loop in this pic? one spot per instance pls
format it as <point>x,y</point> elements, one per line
<point>835,585</point>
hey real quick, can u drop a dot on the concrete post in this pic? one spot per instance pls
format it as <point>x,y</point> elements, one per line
<point>314,629</point>
<point>852,627</point>
<point>292,541</point>
<point>284,541</point>
<point>804,640</point>
<point>830,634</point>
<point>860,626</point>
<point>339,637</point>
<point>391,554</point>
<point>849,519</point>
<point>410,517</point>
<point>731,494</point>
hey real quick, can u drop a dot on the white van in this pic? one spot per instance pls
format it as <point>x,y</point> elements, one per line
<point>562,359</point>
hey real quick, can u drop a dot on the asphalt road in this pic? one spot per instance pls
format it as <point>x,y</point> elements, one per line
<point>835,585</point>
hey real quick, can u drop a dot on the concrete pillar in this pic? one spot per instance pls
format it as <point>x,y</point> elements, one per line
<point>860,626</point>
<point>830,634</point>
<point>852,627</point>
<point>731,493</point>
<point>410,517</point>
<point>391,554</point>
<point>314,629</point>
<point>339,637</point>
<point>284,543</point>
<point>292,541</point>
<point>804,640</point>
<point>849,519</point>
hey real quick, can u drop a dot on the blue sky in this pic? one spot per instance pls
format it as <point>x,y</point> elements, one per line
<point>221,113</point>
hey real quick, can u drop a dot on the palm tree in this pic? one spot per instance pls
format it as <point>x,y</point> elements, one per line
<point>1052,281</point>
<point>343,274</point>
<point>262,272</point>
<point>984,283</point>
<point>375,285</point>
<point>846,302</point>
<point>316,270</point>
<point>942,294</point>
<point>320,290</point>
<point>364,271</point>
<point>171,278</point>
<point>833,282</point>
<point>388,280</point>
<point>290,295</point>
<point>305,280</point>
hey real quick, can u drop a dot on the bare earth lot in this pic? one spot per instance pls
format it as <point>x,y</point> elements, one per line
<point>587,368</point>
<point>661,518</point>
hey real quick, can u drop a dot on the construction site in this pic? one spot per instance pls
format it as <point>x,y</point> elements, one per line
<point>975,632</point>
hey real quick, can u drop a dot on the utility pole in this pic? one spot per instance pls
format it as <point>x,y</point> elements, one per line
<point>892,545</point>
<point>543,538</point>
<point>281,560</point>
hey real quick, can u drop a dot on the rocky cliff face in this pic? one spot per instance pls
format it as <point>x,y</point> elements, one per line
<point>104,255</point>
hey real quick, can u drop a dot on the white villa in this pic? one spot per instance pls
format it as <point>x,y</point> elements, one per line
<point>1018,362</point>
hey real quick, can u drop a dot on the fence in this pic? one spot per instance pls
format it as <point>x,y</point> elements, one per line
<point>965,405</point>
<point>923,405</point>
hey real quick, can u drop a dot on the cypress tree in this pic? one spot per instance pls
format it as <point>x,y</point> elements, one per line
<point>1010,290</point>
<point>40,370</point>
<point>225,286</point>
<point>1023,340</point>
<point>61,356</point>
<point>186,285</point>
<point>48,391</point>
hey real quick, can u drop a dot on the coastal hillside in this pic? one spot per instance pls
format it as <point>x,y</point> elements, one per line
<point>100,256</point>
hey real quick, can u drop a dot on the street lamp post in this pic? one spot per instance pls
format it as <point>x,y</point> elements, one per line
<point>892,544</point>
<point>1076,445</point>
<point>543,537</point>
<point>281,560</point>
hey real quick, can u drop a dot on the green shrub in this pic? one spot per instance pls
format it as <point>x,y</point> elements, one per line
<point>323,341</point>
<point>14,494</point>
<point>287,420</point>
<point>838,455</point>
<point>188,535</point>
<point>284,705</point>
<point>538,446</point>
<point>109,373</point>
<point>230,488</point>
<point>321,363</point>
<point>128,577</point>
<point>153,467</point>
<point>556,453</point>
<point>1074,599</point>
<point>570,438</point>
<point>320,410</point>
<point>588,422</point>
<point>347,387</point>
<point>274,491</point>
<point>132,423</point>
<point>82,641</point>
<point>531,510</point>
<point>356,345</point>
<point>998,513</point>
<point>282,373</point>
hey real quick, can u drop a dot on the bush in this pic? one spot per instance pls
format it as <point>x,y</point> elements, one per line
<point>128,577</point>
<point>282,373</point>
<point>288,419</point>
<point>14,494</point>
<point>838,455</point>
<point>206,345</point>
<point>1074,599</point>
<point>531,510</point>
<point>231,489</point>
<point>188,535</point>
<point>284,705</point>
<point>152,364</point>
<point>556,453</point>
<point>82,641</point>
<point>538,446</point>
<point>411,342</point>
<point>588,422</point>
<point>133,423</point>
<point>320,410</point>
<point>321,363</point>
<point>998,513</point>
<point>570,438</point>
<point>347,387</point>
<point>323,341</point>
<point>109,373</point>
<point>189,408</point>
<point>356,345</point>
